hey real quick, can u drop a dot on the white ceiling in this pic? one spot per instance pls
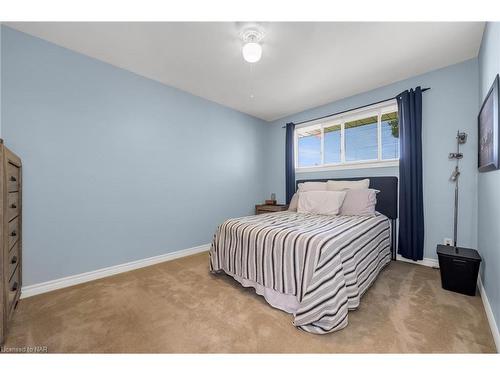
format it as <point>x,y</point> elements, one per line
<point>304,64</point>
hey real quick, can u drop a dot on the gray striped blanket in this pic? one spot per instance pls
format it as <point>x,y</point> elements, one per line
<point>327,262</point>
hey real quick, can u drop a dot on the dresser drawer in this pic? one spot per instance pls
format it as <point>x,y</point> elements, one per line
<point>12,177</point>
<point>13,259</point>
<point>13,233</point>
<point>14,288</point>
<point>268,208</point>
<point>12,205</point>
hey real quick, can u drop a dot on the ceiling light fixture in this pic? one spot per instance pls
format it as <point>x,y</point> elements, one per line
<point>252,50</point>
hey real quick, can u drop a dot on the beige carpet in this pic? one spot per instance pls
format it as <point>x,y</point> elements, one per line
<point>178,306</point>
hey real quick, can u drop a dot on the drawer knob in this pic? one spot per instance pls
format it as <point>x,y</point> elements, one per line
<point>13,205</point>
<point>12,178</point>
<point>13,234</point>
<point>14,287</point>
<point>13,260</point>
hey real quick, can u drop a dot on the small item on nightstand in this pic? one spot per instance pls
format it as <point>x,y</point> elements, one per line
<point>271,201</point>
<point>459,268</point>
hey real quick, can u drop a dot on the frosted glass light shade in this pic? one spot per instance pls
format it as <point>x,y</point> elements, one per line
<point>252,52</point>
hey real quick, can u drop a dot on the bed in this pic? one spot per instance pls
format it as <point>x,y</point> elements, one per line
<point>315,267</point>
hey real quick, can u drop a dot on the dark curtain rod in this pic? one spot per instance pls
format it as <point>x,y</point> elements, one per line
<point>349,110</point>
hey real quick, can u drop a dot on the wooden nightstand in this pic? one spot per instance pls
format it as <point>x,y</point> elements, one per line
<point>268,208</point>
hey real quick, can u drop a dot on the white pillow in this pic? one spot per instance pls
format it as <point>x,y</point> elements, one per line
<point>321,202</point>
<point>294,203</point>
<point>333,185</point>
<point>312,186</point>
<point>359,202</point>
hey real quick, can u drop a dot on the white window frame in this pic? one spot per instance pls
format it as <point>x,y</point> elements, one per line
<point>374,110</point>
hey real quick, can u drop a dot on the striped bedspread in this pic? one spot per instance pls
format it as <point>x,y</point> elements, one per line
<point>327,262</point>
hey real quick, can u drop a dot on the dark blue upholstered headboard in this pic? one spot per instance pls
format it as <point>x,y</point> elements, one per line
<point>387,199</point>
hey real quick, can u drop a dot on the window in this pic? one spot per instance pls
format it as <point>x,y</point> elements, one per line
<point>369,136</point>
<point>390,136</point>
<point>309,147</point>
<point>332,135</point>
<point>361,141</point>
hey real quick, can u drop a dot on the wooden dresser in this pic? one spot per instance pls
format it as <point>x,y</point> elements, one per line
<point>10,235</point>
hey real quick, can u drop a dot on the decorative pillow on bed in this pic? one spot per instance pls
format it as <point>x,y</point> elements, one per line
<point>312,186</point>
<point>359,202</point>
<point>321,202</point>
<point>344,184</point>
<point>294,203</point>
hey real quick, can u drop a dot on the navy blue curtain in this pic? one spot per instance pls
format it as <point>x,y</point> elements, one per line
<point>411,204</point>
<point>289,162</point>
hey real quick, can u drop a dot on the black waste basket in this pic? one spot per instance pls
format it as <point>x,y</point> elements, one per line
<point>459,268</point>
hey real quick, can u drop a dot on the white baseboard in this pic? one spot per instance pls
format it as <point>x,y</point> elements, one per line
<point>48,286</point>
<point>428,262</point>
<point>489,314</point>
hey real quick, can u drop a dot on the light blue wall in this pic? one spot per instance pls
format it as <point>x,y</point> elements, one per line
<point>451,104</point>
<point>118,167</point>
<point>489,182</point>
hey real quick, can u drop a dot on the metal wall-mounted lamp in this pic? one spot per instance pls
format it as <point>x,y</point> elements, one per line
<point>461,139</point>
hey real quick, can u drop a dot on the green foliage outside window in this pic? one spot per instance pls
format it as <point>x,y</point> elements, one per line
<point>392,120</point>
